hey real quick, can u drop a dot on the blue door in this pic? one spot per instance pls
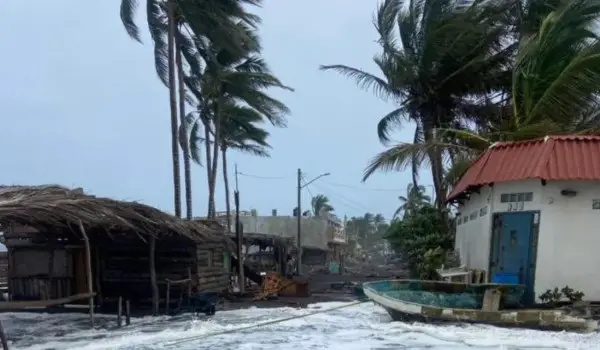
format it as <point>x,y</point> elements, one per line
<point>512,249</point>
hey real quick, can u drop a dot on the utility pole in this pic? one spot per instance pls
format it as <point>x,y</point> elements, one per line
<point>236,178</point>
<point>298,238</point>
<point>240,241</point>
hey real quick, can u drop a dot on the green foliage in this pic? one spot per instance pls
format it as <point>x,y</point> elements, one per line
<point>367,230</point>
<point>415,199</point>
<point>425,240</point>
<point>553,296</point>
<point>472,76</point>
<point>320,205</point>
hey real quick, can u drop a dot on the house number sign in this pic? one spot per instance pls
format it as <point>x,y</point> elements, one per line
<point>517,206</point>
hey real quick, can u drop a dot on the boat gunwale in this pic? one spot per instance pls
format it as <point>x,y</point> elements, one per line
<point>510,311</point>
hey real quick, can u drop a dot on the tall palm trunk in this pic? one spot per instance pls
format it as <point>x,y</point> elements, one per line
<point>173,105</point>
<point>185,142</point>
<point>207,150</point>
<point>226,184</point>
<point>212,182</point>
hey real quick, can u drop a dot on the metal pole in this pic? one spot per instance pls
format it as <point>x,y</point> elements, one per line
<point>236,178</point>
<point>298,238</point>
<point>240,243</point>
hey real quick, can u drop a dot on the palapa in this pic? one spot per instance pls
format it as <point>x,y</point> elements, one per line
<point>60,207</point>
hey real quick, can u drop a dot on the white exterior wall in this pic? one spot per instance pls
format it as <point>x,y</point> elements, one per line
<point>569,232</point>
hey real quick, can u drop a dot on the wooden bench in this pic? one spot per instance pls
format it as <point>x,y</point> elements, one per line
<point>455,274</point>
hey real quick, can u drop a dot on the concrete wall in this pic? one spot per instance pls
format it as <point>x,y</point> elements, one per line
<point>313,230</point>
<point>568,233</point>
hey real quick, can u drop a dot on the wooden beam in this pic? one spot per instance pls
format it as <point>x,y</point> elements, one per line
<point>88,267</point>
<point>98,277</point>
<point>17,305</point>
<point>153,282</point>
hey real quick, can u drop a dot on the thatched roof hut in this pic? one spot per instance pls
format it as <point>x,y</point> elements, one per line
<point>62,242</point>
<point>59,207</point>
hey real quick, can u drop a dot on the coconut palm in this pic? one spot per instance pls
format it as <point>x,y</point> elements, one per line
<point>320,205</point>
<point>240,131</point>
<point>435,56</point>
<point>414,200</point>
<point>227,79</point>
<point>167,19</point>
<point>558,44</point>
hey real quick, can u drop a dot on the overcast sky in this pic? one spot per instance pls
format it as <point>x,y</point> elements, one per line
<point>81,106</point>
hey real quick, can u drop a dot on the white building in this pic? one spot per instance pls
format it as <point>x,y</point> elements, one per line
<point>532,210</point>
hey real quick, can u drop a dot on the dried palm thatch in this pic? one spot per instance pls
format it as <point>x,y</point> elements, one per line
<point>60,207</point>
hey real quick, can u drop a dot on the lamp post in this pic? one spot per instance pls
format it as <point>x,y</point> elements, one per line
<point>298,238</point>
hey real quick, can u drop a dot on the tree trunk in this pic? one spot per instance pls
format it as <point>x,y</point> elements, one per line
<point>153,281</point>
<point>185,142</point>
<point>208,163</point>
<point>173,105</point>
<point>226,184</point>
<point>215,160</point>
<point>437,170</point>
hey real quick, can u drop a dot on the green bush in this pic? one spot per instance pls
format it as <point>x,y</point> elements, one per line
<point>425,239</point>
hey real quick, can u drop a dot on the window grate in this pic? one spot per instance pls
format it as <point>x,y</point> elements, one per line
<point>516,197</point>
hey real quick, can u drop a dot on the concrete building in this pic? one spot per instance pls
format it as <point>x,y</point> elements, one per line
<point>531,210</point>
<point>316,232</point>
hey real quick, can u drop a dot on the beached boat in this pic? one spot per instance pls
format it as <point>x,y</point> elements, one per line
<point>431,301</point>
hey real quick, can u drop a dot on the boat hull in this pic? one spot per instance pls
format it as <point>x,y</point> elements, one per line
<point>526,318</point>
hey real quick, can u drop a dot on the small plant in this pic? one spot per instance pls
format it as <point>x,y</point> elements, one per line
<point>452,259</point>
<point>551,296</point>
<point>432,260</point>
<point>572,295</point>
<point>554,296</point>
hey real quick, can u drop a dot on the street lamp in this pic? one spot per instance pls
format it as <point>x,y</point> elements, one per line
<point>299,213</point>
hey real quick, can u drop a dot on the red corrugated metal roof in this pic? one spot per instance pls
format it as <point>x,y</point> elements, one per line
<point>550,158</point>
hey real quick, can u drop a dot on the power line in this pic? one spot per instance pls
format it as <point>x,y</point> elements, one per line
<point>344,200</point>
<point>365,188</point>
<point>263,177</point>
<point>307,188</point>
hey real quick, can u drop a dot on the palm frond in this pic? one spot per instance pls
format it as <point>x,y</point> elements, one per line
<point>364,80</point>
<point>128,10</point>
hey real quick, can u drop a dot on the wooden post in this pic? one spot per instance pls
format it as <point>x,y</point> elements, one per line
<point>168,301</point>
<point>341,259</point>
<point>119,312</point>
<point>98,279</point>
<point>88,263</point>
<point>127,313</point>
<point>189,291</point>
<point>155,296</point>
<point>3,338</point>
<point>239,235</point>
<point>50,273</point>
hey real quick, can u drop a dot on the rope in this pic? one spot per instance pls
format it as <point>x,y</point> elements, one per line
<point>268,323</point>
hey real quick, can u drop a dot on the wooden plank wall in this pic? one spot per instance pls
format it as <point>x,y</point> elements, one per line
<point>213,275</point>
<point>40,273</point>
<point>125,270</point>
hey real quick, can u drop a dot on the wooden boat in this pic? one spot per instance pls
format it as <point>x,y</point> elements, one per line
<point>431,301</point>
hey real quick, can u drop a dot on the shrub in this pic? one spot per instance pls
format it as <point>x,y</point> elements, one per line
<point>424,238</point>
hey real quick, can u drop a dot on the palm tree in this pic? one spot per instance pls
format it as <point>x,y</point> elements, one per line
<point>240,132</point>
<point>415,199</point>
<point>212,18</point>
<point>556,43</point>
<point>434,62</point>
<point>320,205</point>
<point>231,79</point>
